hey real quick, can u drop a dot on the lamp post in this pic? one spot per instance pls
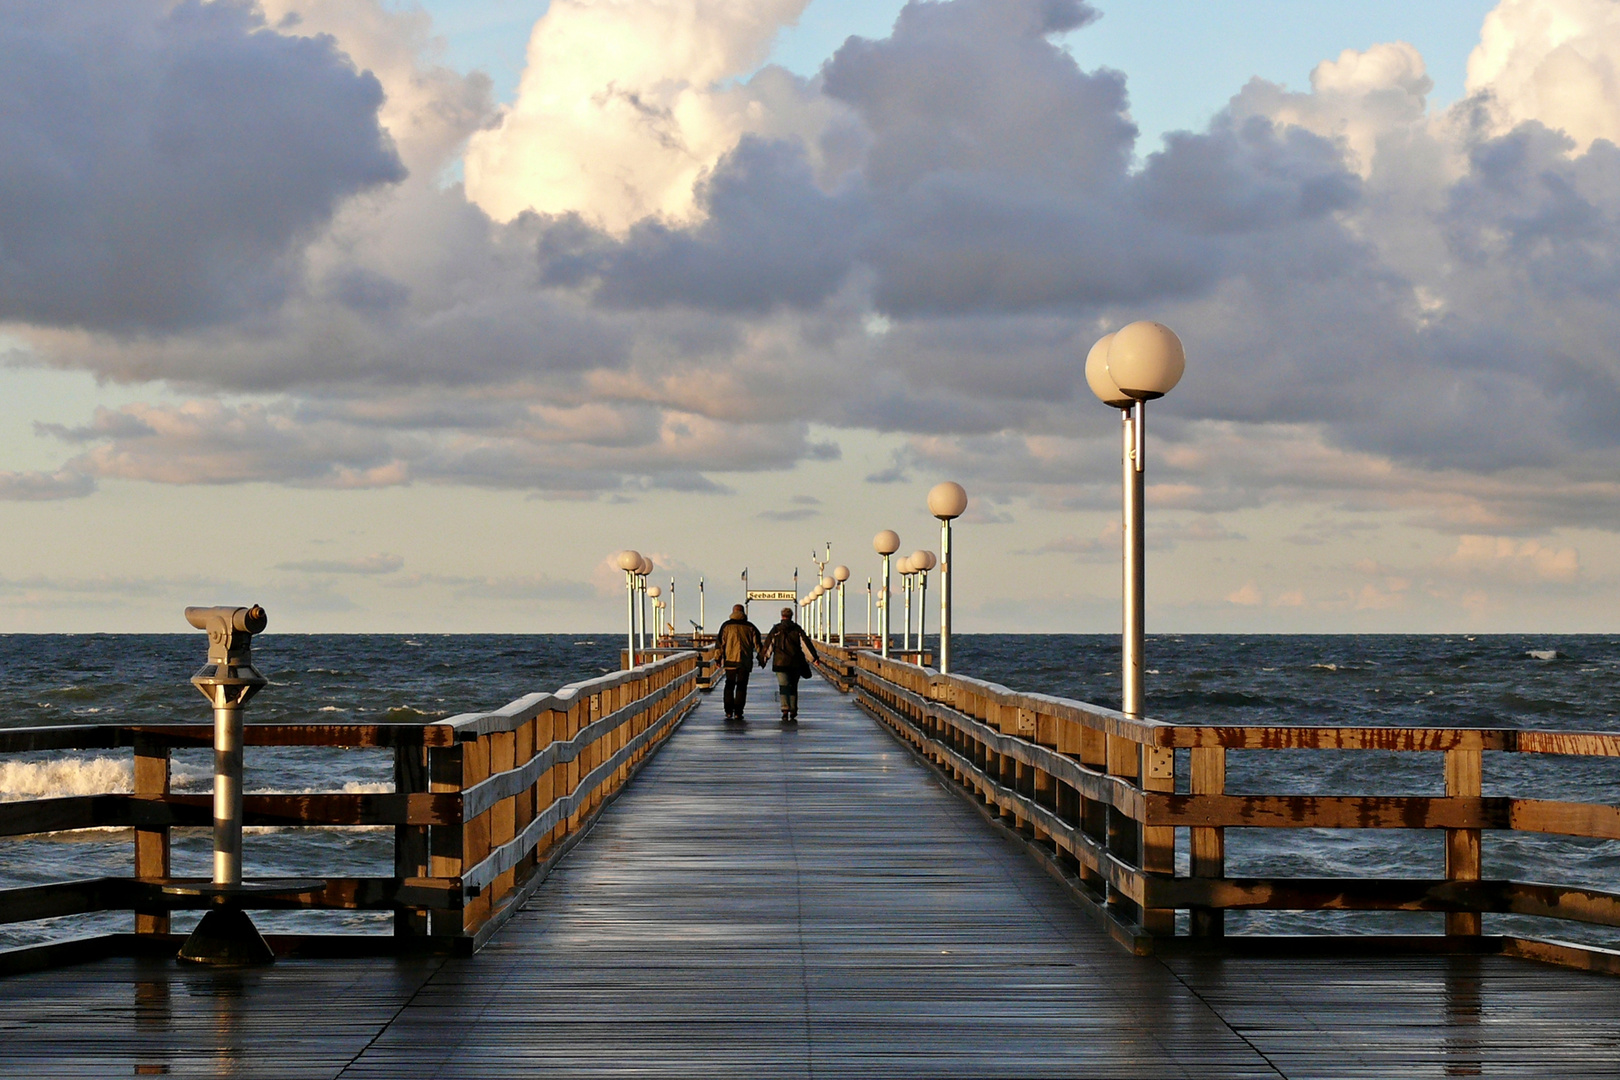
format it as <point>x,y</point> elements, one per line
<point>655,592</point>
<point>1126,370</point>
<point>922,562</point>
<point>828,585</point>
<point>703,619</point>
<point>643,572</point>
<point>630,561</point>
<point>840,574</point>
<point>904,568</point>
<point>945,501</point>
<point>885,543</point>
<point>674,627</point>
<point>869,612</point>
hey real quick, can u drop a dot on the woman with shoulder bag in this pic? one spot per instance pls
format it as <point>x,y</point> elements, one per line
<point>790,651</point>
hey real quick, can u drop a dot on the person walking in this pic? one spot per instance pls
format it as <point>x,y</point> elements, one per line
<point>790,650</point>
<point>738,644</point>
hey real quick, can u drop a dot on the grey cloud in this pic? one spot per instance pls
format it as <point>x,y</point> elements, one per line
<point>159,162</point>
<point>771,237</point>
<point>800,514</point>
<point>980,223</point>
<point>995,178</point>
<point>975,87</point>
<point>1243,176</point>
<point>363,290</point>
<point>45,486</point>
<point>366,564</point>
<point>560,453</point>
<point>509,588</point>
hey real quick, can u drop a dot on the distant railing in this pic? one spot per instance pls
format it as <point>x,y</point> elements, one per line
<point>710,671</point>
<point>1094,794</point>
<point>483,806</point>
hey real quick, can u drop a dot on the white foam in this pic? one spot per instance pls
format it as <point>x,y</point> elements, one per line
<point>1544,654</point>
<point>62,777</point>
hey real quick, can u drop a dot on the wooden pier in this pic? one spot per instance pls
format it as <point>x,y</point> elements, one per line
<point>814,900</point>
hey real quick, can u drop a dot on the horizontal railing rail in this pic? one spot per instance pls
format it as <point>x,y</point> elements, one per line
<point>1094,794</point>
<point>483,805</point>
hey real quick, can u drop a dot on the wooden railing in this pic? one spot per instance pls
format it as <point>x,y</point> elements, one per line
<point>1094,795</point>
<point>483,806</point>
<point>710,671</point>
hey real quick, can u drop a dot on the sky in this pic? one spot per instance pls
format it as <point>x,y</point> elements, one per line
<point>407,317</point>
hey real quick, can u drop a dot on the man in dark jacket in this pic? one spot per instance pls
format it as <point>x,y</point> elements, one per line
<point>790,650</point>
<point>738,643</point>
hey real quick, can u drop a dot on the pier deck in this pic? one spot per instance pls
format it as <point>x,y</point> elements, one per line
<point>809,902</point>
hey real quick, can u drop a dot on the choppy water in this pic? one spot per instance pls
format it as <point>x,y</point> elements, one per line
<point>128,678</point>
<point>1549,682</point>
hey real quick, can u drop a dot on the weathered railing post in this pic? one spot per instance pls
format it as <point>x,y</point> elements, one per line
<point>475,831</point>
<point>1208,844</point>
<point>446,852</point>
<point>1158,841</point>
<point>592,708</point>
<point>410,841</point>
<point>523,804</point>
<point>1464,779</point>
<point>1093,812</point>
<point>151,781</point>
<point>548,728</point>
<point>502,817</point>
<point>1124,836</point>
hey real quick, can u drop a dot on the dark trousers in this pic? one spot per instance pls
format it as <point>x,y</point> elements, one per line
<point>787,686</point>
<point>736,692</point>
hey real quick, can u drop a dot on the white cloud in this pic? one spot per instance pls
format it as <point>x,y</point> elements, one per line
<point>1386,307</point>
<point>1247,595</point>
<point>1503,558</point>
<point>625,105</point>
<point>1555,61</point>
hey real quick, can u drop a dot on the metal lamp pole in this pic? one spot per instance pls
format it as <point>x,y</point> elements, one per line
<point>885,543</point>
<point>945,501</point>
<point>922,562</point>
<point>841,575</point>
<point>1127,369</point>
<point>630,561</point>
<point>904,566</point>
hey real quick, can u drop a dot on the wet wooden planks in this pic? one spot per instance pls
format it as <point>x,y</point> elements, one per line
<point>769,901</point>
<point>148,1017</point>
<point>1416,1016</point>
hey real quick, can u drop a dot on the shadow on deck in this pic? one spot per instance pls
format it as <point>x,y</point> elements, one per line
<point>809,901</point>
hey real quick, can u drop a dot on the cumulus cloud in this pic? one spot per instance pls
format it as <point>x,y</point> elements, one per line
<point>1552,61</point>
<point>622,108</point>
<point>160,162</point>
<point>663,257</point>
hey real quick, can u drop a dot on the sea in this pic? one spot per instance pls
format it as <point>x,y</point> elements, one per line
<point>1544,682</point>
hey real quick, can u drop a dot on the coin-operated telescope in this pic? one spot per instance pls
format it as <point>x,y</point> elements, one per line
<point>226,936</point>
